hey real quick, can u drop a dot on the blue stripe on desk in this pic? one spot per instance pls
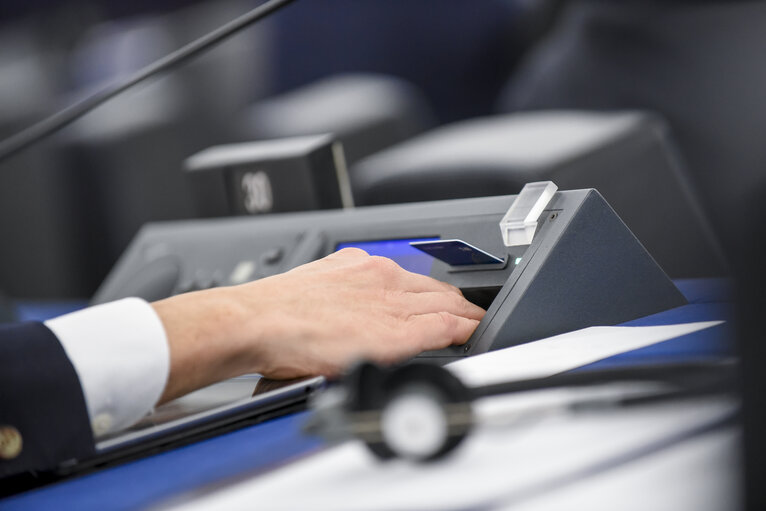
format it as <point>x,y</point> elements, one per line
<point>712,343</point>
<point>146,482</point>
<point>691,313</point>
<point>706,290</point>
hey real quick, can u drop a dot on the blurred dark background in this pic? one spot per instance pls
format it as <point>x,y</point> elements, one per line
<point>376,72</point>
<point>69,206</point>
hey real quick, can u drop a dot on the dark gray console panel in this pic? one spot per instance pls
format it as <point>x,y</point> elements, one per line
<point>583,268</point>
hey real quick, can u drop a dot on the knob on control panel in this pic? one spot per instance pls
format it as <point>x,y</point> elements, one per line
<point>273,255</point>
<point>153,281</point>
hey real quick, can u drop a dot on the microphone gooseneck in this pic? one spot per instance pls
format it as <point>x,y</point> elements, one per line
<point>68,115</point>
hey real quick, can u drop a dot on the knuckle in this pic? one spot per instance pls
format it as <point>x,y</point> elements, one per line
<point>351,251</point>
<point>454,289</point>
<point>383,264</point>
<point>459,302</point>
<point>448,321</point>
<point>458,305</point>
<point>469,310</point>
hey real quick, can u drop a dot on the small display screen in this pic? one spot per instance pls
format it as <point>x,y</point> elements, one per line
<point>457,253</point>
<point>409,258</point>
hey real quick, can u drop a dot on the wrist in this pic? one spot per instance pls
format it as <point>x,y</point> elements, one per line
<point>201,330</point>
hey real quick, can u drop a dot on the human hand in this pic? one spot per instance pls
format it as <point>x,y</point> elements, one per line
<point>314,319</point>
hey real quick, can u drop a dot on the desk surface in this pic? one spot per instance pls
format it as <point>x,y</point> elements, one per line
<point>260,448</point>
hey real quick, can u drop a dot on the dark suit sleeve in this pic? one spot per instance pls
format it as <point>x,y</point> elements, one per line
<point>40,399</point>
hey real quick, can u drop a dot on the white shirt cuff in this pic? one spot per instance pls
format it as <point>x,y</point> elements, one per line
<point>120,353</point>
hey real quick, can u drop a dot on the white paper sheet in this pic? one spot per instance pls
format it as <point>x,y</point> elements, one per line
<point>700,474</point>
<point>496,466</point>
<point>566,351</point>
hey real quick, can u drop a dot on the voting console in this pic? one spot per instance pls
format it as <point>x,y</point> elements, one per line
<point>583,267</point>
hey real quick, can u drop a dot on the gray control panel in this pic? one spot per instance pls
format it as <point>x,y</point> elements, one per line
<point>582,268</point>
